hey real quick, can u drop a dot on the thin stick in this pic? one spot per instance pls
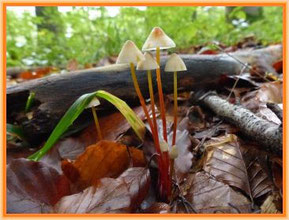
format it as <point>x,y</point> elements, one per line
<point>239,61</point>
<point>175,108</point>
<point>235,84</point>
<point>99,134</point>
<point>161,96</point>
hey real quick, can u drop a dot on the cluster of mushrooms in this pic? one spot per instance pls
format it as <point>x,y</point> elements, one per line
<point>130,54</point>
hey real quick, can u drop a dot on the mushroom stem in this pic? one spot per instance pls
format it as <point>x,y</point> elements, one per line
<point>175,108</point>
<point>141,99</point>
<point>99,134</point>
<point>161,96</point>
<point>167,182</point>
<point>151,91</point>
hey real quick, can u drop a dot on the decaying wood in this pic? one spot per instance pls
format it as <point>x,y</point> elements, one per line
<point>269,135</point>
<point>54,94</point>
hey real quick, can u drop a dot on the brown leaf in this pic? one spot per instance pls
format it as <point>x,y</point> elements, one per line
<point>104,159</point>
<point>271,92</point>
<point>121,195</point>
<point>269,205</point>
<point>208,195</point>
<point>277,172</point>
<point>229,162</point>
<point>278,66</point>
<point>112,126</point>
<point>256,102</point>
<point>33,187</point>
<point>158,207</point>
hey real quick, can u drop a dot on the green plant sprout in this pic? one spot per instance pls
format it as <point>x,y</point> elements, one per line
<point>30,101</point>
<point>77,108</point>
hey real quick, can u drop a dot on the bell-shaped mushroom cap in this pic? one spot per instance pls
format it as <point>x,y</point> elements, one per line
<point>94,102</point>
<point>129,54</point>
<point>148,64</point>
<point>175,64</point>
<point>158,38</point>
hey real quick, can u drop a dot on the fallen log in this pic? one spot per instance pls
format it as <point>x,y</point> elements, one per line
<point>54,94</point>
<point>268,134</point>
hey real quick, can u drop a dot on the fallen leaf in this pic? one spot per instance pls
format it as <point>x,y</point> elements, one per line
<point>230,163</point>
<point>207,195</point>
<point>158,207</point>
<point>104,159</point>
<point>184,160</point>
<point>271,92</point>
<point>269,205</point>
<point>278,66</point>
<point>112,126</point>
<point>121,195</point>
<point>33,187</point>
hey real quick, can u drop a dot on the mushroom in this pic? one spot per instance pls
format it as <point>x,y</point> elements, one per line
<point>158,40</point>
<point>175,64</point>
<point>150,64</point>
<point>93,103</point>
<point>131,55</point>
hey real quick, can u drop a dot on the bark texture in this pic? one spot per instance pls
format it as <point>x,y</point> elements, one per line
<point>269,135</point>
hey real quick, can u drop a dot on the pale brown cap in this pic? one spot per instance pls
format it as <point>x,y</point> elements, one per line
<point>158,38</point>
<point>94,102</point>
<point>148,64</point>
<point>175,64</point>
<point>129,54</point>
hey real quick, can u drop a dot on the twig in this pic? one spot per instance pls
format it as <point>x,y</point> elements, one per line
<point>239,61</point>
<point>235,84</point>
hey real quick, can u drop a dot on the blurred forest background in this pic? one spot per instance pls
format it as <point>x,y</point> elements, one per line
<point>53,37</point>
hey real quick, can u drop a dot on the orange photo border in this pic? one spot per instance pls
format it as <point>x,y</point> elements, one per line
<point>283,4</point>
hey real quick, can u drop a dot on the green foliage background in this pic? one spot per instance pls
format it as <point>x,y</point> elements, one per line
<point>89,39</point>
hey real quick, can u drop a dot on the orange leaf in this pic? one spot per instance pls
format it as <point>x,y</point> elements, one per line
<point>104,159</point>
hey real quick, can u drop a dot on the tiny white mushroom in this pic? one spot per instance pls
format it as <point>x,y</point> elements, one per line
<point>93,103</point>
<point>129,54</point>
<point>175,64</point>
<point>158,39</point>
<point>132,55</point>
<point>148,63</point>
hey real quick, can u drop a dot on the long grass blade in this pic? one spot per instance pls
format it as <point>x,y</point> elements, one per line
<point>77,108</point>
